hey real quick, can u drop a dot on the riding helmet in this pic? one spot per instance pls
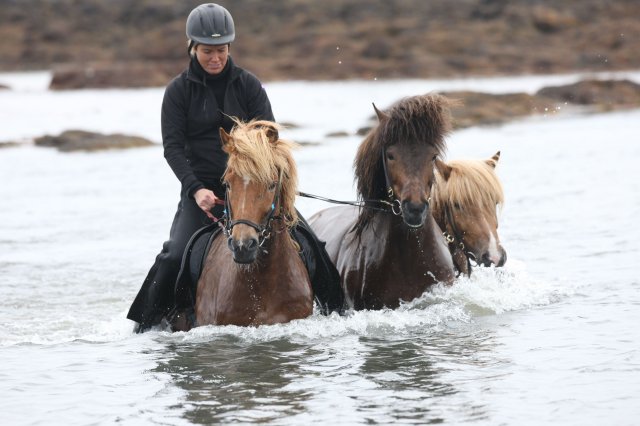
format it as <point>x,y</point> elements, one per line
<point>210,23</point>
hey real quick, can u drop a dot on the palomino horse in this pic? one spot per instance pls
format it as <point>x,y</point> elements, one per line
<point>255,276</point>
<point>394,253</point>
<point>466,195</point>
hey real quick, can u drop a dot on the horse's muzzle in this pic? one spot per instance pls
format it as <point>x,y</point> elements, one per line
<point>244,251</point>
<point>488,260</point>
<point>414,214</point>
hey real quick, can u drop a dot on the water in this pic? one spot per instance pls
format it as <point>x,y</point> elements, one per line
<point>552,338</point>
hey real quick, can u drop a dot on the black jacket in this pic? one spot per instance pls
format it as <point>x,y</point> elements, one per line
<point>191,119</point>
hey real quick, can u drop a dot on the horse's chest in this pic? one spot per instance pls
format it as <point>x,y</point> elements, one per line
<point>387,271</point>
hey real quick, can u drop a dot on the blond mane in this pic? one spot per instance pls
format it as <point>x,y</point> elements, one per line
<point>252,155</point>
<point>471,183</point>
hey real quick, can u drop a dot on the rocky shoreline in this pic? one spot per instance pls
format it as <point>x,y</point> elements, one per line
<point>470,109</point>
<point>126,43</point>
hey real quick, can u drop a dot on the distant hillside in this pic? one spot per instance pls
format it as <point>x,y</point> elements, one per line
<point>328,39</point>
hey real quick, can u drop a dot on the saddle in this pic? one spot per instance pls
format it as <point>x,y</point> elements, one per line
<point>325,279</point>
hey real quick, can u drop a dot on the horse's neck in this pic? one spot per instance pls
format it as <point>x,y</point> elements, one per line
<point>390,252</point>
<point>393,229</point>
<point>439,217</point>
<point>388,239</point>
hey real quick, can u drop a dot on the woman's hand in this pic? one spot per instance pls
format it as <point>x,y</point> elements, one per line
<point>206,200</point>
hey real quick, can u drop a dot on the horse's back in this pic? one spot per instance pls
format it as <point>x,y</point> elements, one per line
<point>332,225</point>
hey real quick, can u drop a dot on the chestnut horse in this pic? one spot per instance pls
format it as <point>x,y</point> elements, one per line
<point>255,276</point>
<point>466,195</point>
<point>392,250</point>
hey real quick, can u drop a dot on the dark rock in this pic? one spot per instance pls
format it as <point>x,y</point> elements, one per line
<point>605,94</point>
<point>474,108</point>
<point>478,109</point>
<point>331,39</point>
<point>362,131</point>
<point>339,134</point>
<point>9,144</point>
<point>80,140</point>
<point>111,76</point>
<point>548,20</point>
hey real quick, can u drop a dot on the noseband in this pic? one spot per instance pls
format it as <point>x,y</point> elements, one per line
<point>263,230</point>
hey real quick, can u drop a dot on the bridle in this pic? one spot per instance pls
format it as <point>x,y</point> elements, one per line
<point>455,240</point>
<point>380,205</point>
<point>396,205</point>
<point>264,229</point>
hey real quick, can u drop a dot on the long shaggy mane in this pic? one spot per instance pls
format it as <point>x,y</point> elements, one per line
<point>254,156</point>
<point>471,183</point>
<point>416,121</point>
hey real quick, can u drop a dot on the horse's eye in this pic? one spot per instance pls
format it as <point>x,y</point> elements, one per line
<point>272,187</point>
<point>390,156</point>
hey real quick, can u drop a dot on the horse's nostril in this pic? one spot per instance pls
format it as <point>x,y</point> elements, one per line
<point>232,244</point>
<point>251,243</point>
<point>503,258</point>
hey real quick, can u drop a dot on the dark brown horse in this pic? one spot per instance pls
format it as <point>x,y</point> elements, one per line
<point>255,275</point>
<point>386,255</point>
<point>466,196</point>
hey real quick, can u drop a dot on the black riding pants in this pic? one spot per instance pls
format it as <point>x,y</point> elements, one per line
<point>156,297</point>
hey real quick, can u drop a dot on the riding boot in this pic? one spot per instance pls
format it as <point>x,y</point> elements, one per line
<point>325,280</point>
<point>156,296</point>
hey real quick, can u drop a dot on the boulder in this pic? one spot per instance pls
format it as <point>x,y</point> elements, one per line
<point>121,75</point>
<point>475,108</point>
<point>80,140</point>
<point>602,94</point>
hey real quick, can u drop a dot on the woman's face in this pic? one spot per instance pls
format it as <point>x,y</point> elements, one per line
<point>212,58</point>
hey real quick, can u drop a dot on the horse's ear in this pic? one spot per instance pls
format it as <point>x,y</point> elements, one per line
<point>381,115</point>
<point>493,161</point>
<point>272,134</point>
<point>443,168</point>
<point>224,139</point>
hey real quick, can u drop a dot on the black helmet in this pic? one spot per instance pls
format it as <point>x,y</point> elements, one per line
<point>210,23</point>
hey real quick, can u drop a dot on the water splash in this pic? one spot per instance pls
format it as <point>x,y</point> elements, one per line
<point>497,290</point>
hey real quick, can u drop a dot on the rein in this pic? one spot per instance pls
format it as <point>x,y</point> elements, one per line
<point>455,241</point>
<point>378,205</point>
<point>364,203</point>
<point>263,230</point>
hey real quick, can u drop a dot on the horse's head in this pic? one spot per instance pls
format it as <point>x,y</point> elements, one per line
<point>466,197</point>
<point>261,180</point>
<point>397,159</point>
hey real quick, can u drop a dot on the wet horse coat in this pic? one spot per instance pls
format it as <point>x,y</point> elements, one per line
<point>466,196</point>
<point>256,276</point>
<point>386,257</point>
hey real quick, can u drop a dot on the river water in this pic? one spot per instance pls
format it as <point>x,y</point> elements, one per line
<point>551,338</point>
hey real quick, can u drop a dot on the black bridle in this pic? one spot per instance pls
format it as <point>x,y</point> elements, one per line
<point>392,203</point>
<point>396,205</point>
<point>455,239</point>
<point>264,229</point>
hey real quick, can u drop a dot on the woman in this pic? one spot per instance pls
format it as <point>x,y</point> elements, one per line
<point>196,104</point>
